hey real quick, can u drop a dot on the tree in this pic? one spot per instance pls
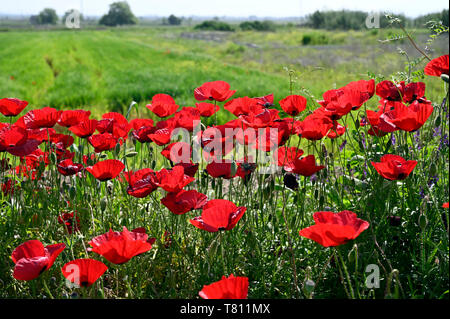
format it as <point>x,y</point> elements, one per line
<point>119,14</point>
<point>173,20</point>
<point>46,16</point>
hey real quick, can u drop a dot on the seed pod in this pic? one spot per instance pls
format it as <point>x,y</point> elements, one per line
<point>131,154</point>
<point>117,149</point>
<point>444,77</point>
<point>423,221</point>
<point>103,203</point>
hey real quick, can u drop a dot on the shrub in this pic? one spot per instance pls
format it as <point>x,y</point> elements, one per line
<point>214,26</point>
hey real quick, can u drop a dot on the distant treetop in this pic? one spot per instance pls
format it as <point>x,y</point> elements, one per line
<point>119,14</point>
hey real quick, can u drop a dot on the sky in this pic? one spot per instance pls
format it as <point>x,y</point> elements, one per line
<point>230,8</point>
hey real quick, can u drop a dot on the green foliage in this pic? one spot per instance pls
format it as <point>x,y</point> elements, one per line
<point>173,20</point>
<point>119,14</point>
<point>213,25</point>
<point>46,16</point>
<point>257,26</point>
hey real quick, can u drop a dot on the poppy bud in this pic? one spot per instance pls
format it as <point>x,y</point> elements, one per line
<point>117,149</point>
<point>437,122</point>
<point>233,168</point>
<point>153,165</point>
<point>353,254</point>
<point>433,169</point>
<point>444,77</point>
<point>131,154</point>
<point>72,192</point>
<point>423,221</point>
<point>103,203</point>
<point>308,287</point>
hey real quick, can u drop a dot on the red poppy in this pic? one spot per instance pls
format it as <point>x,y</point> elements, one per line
<point>172,180</point>
<point>84,129</point>
<point>218,214</point>
<point>187,118</point>
<point>216,90</point>
<point>83,272</point>
<point>336,131</point>
<point>119,127</point>
<point>105,126</point>
<point>41,118</point>
<point>71,222</point>
<point>334,229</point>
<point>61,140</point>
<point>390,91</point>
<point>40,134</point>
<point>69,168</point>
<point>106,170</point>
<point>407,118</point>
<point>32,258</point>
<point>207,109</point>
<point>313,127</point>
<point>142,230</point>
<point>394,167</point>
<point>184,201</point>
<point>355,93</point>
<point>142,134</point>
<point>190,169</point>
<point>445,205</point>
<point>376,129</point>
<point>243,105</point>
<point>140,123</point>
<point>178,152</point>
<point>438,66</point>
<point>221,169</point>
<point>163,105</point>
<point>140,183</point>
<point>15,141</point>
<point>305,166</point>
<point>73,117</point>
<point>286,157</point>
<point>12,107</point>
<point>120,247</point>
<point>293,104</point>
<point>266,101</point>
<point>161,136</point>
<point>226,288</point>
<point>102,142</point>
<point>265,118</point>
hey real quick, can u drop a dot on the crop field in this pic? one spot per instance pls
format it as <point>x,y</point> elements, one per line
<point>96,202</point>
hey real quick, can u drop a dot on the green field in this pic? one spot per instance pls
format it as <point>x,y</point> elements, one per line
<point>107,69</point>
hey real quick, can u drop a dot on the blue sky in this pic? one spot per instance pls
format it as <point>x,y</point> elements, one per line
<point>236,8</point>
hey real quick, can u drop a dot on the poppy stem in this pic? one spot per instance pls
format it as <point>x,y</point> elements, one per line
<point>352,294</point>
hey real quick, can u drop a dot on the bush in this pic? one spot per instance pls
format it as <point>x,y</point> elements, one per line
<point>214,26</point>
<point>257,26</point>
<point>119,14</point>
<point>316,38</point>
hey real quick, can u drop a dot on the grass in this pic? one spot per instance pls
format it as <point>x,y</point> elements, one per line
<point>105,70</point>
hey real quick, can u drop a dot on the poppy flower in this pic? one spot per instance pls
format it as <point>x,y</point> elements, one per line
<point>32,258</point>
<point>184,201</point>
<point>190,169</point>
<point>71,222</point>
<point>305,166</point>
<point>41,118</point>
<point>226,288</point>
<point>139,123</point>
<point>334,229</point>
<point>162,105</point>
<point>216,90</point>
<point>39,134</point>
<point>286,157</point>
<point>84,129</point>
<point>120,247</point>
<point>142,134</point>
<point>265,118</point>
<point>15,140</point>
<point>408,118</point>
<point>438,66</point>
<point>374,120</point>
<point>445,205</point>
<point>161,136</point>
<point>390,91</point>
<point>243,106</point>
<point>69,168</point>
<point>106,170</point>
<point>394,167</point>
<point>83,272</point>
<point>293,104</point>
<point>218,214</point>
<point>119,127</point>
<point>140,183</point>
<point>61,140</point>
<point>178,152</point>
<point>207,109</point>
<point>172,180</point>
<point>102,142</point>
<point>187,118</point>
<point>105,126</point>
<point>73,117</point>
<point>221,169</point>
<point>313,127</point>
<point>336,131</point>
<point>265,101</point>
<point>355,93</point>
<point>12,107</point>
